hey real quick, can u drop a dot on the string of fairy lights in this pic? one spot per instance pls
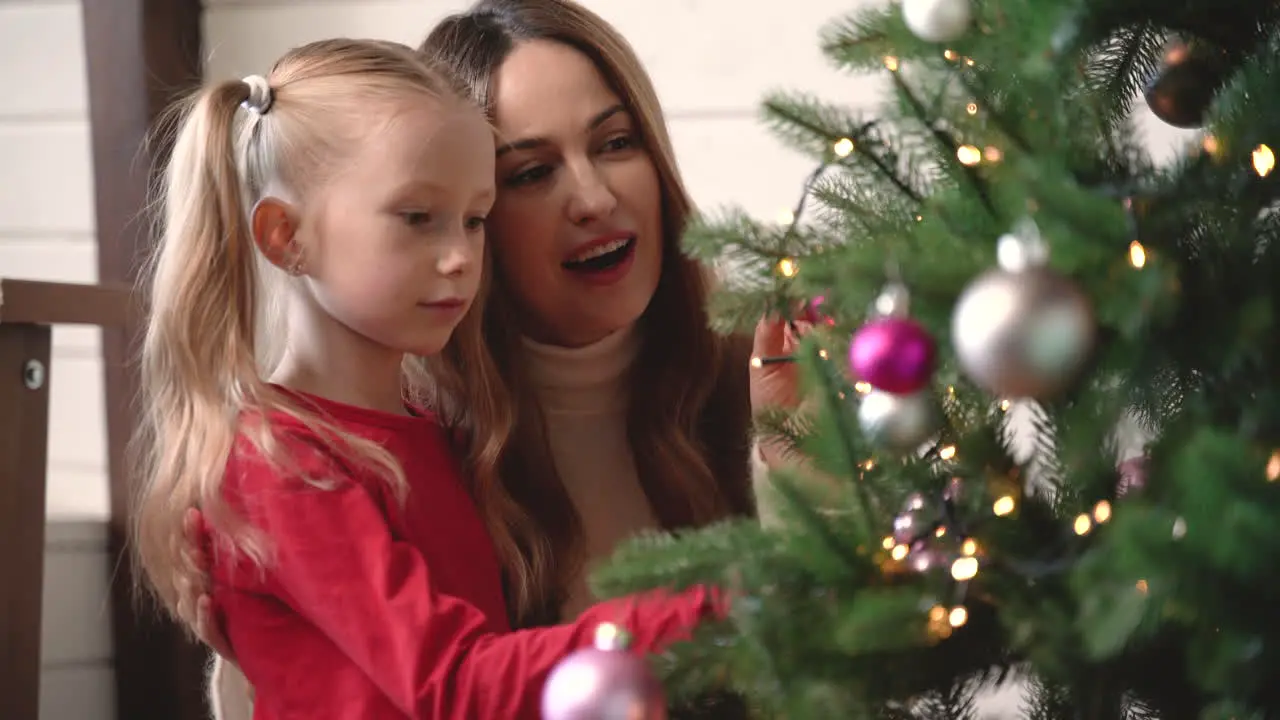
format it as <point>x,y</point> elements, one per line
<point>911,533</point>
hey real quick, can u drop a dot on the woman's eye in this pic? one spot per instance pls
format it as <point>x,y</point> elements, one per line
<point>475,223</point>
<point>413,219</point>
<point>621,142</point>
<point>530,175</point>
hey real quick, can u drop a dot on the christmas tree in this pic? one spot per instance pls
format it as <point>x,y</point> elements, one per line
<point>996,242</point>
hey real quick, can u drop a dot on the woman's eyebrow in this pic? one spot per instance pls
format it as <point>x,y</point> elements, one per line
<point>536,142</point>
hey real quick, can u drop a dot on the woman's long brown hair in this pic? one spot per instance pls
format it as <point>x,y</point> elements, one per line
<point>689,417</point>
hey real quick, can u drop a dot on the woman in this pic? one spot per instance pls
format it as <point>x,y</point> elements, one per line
<point>621,411</point>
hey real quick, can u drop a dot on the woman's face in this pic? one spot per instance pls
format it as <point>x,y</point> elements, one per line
<point>577,227</point>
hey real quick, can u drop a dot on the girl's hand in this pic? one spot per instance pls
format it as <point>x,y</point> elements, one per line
<point>195,605</point>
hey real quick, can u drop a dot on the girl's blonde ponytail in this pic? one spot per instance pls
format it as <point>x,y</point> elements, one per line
<point>197,354</point>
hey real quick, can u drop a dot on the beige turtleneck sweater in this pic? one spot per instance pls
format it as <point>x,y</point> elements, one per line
<point>584,393</point>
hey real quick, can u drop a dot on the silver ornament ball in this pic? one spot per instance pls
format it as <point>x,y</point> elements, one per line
<point>1023,334</point>
<point>937,20</point>
<point>605,682</point>
<point>899,423</point>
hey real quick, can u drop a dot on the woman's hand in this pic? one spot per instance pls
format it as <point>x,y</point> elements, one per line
<point>775,382</point>
<point>195,605</point>
<point>775,377</point>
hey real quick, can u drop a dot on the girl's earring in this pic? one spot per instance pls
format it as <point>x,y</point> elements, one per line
<point>296,267</point>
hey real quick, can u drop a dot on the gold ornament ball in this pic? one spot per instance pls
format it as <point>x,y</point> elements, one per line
<point>1024,334</point>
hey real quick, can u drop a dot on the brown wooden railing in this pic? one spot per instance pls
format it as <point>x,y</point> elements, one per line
<point>140,55</point>
<point>28,312</point>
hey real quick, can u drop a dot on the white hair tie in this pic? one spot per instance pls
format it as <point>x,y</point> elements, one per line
<point>260,95</point>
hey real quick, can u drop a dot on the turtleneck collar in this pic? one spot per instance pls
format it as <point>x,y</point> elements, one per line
<point>585,380</point>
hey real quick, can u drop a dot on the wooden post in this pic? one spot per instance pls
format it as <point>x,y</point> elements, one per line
<point>24,430</point>
<point>28,309</point>
<point>141,55</point>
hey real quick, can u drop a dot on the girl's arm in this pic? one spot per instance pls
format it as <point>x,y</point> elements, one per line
<point>433,655</point>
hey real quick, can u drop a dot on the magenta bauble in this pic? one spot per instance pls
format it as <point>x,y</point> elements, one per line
<point>1133,475</point>
<point>813,314</point>
<point>605,682</point>
<point>892,354</point>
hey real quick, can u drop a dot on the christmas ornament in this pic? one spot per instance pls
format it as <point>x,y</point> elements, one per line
<point>921,528</point>
<point>916,520</point>
<point>1182,89</point>
<point>812,312</point>
<point>1133,475</point>
<point>925,557</point>
<point>892,353</point>
<point>899,423</point>
<point>937,20</point>
<point>1022,330</point>
<point>604,682</point>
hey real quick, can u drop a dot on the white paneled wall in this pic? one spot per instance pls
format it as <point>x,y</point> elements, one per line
<point>712,60</point>
<point>46,233</point>
<point>46,225</point>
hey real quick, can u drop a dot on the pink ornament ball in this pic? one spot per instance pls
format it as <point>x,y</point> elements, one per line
<point>603,683</point>
<point>1133,476</point>
<point>812,312</point>
<point>893,355</point>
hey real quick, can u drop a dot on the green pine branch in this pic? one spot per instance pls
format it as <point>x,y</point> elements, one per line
<point>1155,603</point>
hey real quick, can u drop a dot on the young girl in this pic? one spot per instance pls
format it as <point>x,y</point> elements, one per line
<point>352,573</point>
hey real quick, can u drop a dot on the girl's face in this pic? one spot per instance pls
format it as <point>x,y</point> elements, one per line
<point>393,243</point>
<point>577,227</point>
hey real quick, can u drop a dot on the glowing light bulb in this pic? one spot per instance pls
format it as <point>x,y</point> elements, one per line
<point>1264,161</point>
<point>1137,255</point>
<point>862,387</point>
<point>964,568</point>
<point>843,147</point>
<point>1003,505</point>
<point>959,616</point>
<point>1273,467</point>
<point>947,452</point>
<point>971,108</point>
<point>992,154</point>
<point>968,155</point>
<point>891,63</point>
<point>1083,525</point>
<point>787,267</point>
<point>1102,512</point>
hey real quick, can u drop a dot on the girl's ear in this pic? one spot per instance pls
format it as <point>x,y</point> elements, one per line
<point>274,232</point>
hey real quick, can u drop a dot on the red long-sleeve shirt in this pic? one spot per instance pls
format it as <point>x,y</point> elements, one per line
<point>370,609</point>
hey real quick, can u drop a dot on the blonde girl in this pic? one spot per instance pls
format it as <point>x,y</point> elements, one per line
<point>353,574</point>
